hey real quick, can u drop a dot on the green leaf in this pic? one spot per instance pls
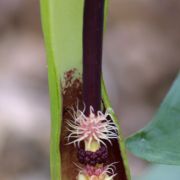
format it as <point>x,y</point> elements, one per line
<point>159,141</point>
<point>162,172</point>
<point>62,27</point>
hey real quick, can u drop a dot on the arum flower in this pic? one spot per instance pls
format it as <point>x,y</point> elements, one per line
<point>93,130</point>
<point>97,173</point>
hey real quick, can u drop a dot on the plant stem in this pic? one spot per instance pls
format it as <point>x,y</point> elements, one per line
<point>92,53</point>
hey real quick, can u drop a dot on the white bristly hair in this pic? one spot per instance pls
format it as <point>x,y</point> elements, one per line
<point>90,128</point>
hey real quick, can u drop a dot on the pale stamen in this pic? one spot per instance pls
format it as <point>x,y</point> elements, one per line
<point>92,128</point>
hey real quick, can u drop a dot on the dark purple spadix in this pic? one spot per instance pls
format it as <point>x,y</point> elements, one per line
<point>92,53</point>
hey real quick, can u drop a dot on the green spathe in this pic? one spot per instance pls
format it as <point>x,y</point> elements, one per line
<point>62,28</point>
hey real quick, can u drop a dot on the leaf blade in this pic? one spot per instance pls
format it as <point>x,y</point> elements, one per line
<point>159,141</point>
<point>164,172</point>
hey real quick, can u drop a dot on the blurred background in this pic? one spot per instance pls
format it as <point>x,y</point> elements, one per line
<point>141,59</point>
